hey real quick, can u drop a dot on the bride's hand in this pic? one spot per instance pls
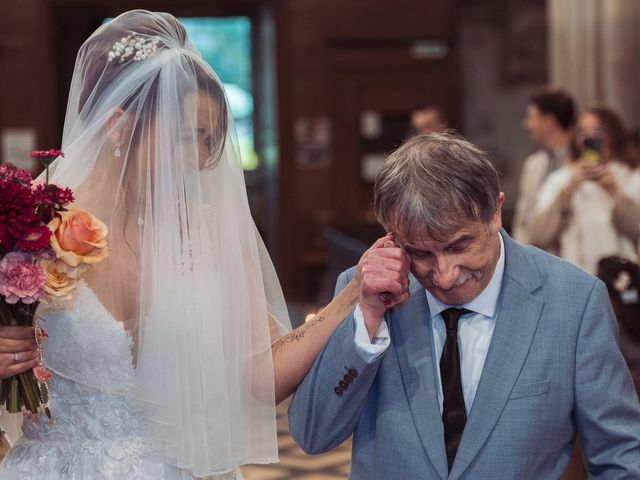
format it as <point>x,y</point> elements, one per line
<point>18,351</point>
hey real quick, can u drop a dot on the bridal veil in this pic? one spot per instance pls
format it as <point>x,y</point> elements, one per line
<point>151,149</point>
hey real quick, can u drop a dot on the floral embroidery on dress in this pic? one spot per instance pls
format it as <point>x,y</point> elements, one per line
<point>97,433</point>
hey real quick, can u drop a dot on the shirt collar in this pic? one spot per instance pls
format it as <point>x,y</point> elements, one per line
<point>557,156</point>
<point>485,303</point>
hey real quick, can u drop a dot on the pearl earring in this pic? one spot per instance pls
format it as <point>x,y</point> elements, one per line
<point>117,153</point>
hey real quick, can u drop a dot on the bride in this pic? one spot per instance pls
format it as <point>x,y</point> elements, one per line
<point>168,363</point>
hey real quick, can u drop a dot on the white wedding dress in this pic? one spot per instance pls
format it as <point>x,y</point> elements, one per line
<point>96,433</point>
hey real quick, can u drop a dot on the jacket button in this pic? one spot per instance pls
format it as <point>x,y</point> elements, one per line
<point>338,391</point>
<point>347,378</point>
<point>353,372</point>
<point>344,385</point>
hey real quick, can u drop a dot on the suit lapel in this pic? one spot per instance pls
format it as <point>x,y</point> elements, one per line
<point>412,340</point>
<point>516,324</point>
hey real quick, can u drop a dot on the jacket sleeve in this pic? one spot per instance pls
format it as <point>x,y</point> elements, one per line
<point>546,226</point>
<point>326,407</point>
<point>606,410</point>
<point>626,218</point>
<point>525,200</point>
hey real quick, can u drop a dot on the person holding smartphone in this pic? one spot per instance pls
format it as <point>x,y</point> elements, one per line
<point>590,208</point>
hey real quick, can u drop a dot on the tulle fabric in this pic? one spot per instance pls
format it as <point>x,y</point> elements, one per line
<point>151,149</point>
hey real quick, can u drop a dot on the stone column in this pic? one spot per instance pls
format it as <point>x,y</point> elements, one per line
<point>594,53</point>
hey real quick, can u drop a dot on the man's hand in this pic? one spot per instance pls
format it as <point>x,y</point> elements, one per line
<point>383,276</point>
<point>18,351</point>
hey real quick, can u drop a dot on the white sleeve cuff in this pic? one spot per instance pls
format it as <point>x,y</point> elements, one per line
<point>369,350</point>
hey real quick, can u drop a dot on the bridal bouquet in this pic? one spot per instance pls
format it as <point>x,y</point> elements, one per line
<point>44,247</point>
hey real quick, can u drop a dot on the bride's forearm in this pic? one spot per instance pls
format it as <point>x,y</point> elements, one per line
<point>294,353</point>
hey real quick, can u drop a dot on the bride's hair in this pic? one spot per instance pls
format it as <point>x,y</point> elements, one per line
<point>100,73</point>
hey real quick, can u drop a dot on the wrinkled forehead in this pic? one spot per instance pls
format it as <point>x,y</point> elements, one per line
<point>429,238</point>
<point>438,225</point>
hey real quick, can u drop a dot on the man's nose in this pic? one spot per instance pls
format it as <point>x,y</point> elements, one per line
<point>445,273</point>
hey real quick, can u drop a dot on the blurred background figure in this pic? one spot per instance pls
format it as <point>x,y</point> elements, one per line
<point>622,278</point>
<point>428,120</point>
<point>590,208</point>
<point>548,120</point>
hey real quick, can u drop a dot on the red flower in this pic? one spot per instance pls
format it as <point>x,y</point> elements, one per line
<point>46,156</point>
<point>11,172</point>
<point>52,195</point>
<point>50,199</point>
<point>46,153</point>
<point>35,240</point>
<point>17,213</point>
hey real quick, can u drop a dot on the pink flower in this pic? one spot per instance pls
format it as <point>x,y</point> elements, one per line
<point>20,279</point>
<point>41,374</point>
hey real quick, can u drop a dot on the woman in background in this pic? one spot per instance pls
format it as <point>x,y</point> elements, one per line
<point>590,208</point>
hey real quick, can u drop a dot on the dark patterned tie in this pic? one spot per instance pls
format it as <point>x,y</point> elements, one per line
<point>454,414</point>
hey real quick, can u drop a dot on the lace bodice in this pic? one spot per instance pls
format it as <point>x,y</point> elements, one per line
<point>96,433</point>
<point>88,346</point>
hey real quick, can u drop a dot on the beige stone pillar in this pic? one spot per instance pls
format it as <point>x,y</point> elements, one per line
<point>594,53</point>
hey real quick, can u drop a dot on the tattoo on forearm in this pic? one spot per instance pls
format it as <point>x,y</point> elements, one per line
<point>297,334</point>
<point>314,321</point>
<point>294,336</point>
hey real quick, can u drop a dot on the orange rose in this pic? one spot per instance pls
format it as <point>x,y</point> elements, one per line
<point>61,279</point>
<point>78,238</point>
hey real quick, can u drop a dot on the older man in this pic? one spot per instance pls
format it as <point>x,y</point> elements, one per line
<point>499,357</point>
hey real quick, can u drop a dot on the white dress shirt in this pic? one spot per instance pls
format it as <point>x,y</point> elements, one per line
<point>474,333</point>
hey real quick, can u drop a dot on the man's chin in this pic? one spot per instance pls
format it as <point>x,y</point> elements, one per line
<point>454,296</point>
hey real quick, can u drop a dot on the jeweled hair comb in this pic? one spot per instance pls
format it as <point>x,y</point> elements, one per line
<point>133,46</point>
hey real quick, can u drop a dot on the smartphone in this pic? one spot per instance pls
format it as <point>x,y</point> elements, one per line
<point>592,151</point>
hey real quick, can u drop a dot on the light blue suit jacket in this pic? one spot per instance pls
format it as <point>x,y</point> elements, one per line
<point>553,369</point>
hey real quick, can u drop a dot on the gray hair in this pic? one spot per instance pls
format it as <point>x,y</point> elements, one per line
<point>433,183</point>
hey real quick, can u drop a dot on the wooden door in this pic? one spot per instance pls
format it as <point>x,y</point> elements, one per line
<point>376,89</point>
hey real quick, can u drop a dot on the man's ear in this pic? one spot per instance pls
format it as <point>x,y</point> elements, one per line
<point>496,221</point>
<point>115,125</point>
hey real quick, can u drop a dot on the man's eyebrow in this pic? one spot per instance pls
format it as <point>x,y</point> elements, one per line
<point>462,239</point>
